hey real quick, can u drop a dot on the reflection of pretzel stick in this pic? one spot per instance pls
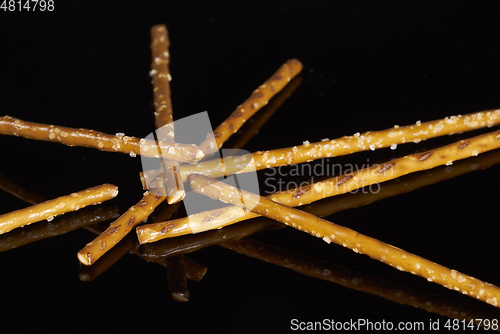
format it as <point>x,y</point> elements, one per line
<point>58,226</point>
<point>51,208</point>
<point>239,139</point>
<point>358,281</point>
<point>327,188</point>
<point>121,227</point>
<point>349,238</point>
<point>257,100</point>
<point>342,146</point>
<point>160,73</point>
<point>24,192</point>
<point>101,141</point>
<point>193,242</point>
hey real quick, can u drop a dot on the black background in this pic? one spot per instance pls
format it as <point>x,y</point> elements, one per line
<point>367,66</point>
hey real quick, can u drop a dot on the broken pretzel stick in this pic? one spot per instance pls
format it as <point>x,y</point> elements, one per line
<point>326,148</point>
<point>121,227</point>
<point>327,188</point>
<point>98,140</point>
<point>164,121</point>
<point>349,238</point>
<point>58,206</point>
<point>259,98</point>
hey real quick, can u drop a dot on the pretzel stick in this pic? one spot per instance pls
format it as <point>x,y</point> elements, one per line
<point>58,206</point>
<point>121,227</point>
<point>222,231</point>
<point>163,108</point>
<point>194,270</point>
<point>349,238</point>
<point>101,141</point>
<point>358,281</point>
<point>331,187</point>
<point>345,145</point>
<point>89,273</point>
<point>256,101</point>
<point>59,226</point>
<point>24,192</point>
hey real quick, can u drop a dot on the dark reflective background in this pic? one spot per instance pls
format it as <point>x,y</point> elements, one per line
<point>367,66</point>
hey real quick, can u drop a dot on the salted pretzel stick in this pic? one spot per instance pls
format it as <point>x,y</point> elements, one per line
<point>344,145</point>
<point>160,73</point>
<point>121,227</point>
<point>59,226</point>
<point>101,141</point>
<point>349,238</point>
<point>58,206</point>
<point>357,281</point>
<point>259,98</point>
<point>330,187</point>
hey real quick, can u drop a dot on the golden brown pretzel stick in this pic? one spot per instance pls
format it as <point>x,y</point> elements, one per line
<point>121,227</point>
<point>349,238</point>
<point>89,273</point>
<point>257,100</point>
<point>357,281</point>
<point>344,145</point>
<point>58,226</point>
<point>160,73</point>
<point>331,187</point>
<point>58,206</point>
<point>195,271</point>
<point>101,141</point>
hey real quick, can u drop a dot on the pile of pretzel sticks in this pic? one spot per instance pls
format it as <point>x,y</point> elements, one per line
<point>183,163</point>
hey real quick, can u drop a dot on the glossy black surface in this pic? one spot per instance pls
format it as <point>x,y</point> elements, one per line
<point>367,66</point>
